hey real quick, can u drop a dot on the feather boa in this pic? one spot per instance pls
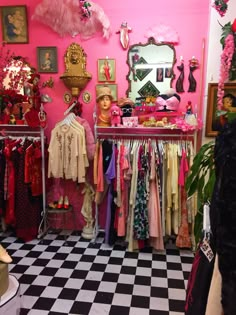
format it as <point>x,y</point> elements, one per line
<point>66,18</point>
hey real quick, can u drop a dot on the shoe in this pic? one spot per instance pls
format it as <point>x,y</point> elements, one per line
<point>60,203</point>
<point>66,203</point>
<point>52,205</point>
<point>4,256</point>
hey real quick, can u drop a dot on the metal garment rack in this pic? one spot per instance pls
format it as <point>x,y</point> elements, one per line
<point>102,133</point>
<point>21,131</point>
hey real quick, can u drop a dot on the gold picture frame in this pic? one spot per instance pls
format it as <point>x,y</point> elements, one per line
<point>47,59</point>
<point>86,97</point>
<point>67,97</point>
<point>106,70</point>
<point>213,122</point>
<point>14,24</point>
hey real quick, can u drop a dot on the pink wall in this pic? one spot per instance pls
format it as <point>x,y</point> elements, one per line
<point>188,18</point>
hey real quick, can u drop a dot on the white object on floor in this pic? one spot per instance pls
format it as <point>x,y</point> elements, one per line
<point>10,300</point>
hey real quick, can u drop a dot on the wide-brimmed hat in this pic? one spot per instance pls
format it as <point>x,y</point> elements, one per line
<point>125,101</point>
<point>103,91</point>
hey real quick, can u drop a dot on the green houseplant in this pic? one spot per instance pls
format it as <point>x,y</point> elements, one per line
<point>201,180</point>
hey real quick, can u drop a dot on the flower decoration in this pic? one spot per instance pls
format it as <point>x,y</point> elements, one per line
<point>85,9</point>
<point>10,97</point>
<point>12,70</point>
<point>228,59</point>
<point>221,6</point>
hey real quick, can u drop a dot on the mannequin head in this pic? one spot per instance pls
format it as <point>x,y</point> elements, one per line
<point>104,101</point>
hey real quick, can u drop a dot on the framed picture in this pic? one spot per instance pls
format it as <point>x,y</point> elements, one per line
<point>106,70</point>
<point>67,97</point>
<point>160,75</point>
<point>47,59</point>
<point>112,87</point>
<point>14,24</point>
<point>168,73</point>
<point>213,122</point>
<point>86,97</point>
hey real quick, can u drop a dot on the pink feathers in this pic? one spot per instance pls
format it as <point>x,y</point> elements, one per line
<point>66,18</point>
<point>163,33</point>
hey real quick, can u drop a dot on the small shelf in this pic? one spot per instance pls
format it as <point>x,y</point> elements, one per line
<point>114,132</point>
<point>59,211</point>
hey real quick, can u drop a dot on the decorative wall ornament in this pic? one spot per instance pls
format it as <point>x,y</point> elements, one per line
<point>87,97</point>
<point>124,34</point>
<point>67,97</point>
<point>76,76</point>
<point>221,6</point>
<point>180,81</point>
<point>193,65</point>
<point>163,34</point>
<point>67,18</point>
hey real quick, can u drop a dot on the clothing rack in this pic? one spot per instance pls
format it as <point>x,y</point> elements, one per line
<point>141,132</point>
<point>102,133</point>
<point>24,130</point>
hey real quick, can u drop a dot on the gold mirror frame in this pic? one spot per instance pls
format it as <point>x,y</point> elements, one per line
<point>144,60</point>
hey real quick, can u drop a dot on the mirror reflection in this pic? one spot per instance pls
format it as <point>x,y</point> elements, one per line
<point>150,69</point>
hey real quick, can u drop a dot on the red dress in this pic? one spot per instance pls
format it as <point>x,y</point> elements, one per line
<point>27,207</point>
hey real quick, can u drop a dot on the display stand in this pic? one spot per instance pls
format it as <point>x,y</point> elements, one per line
<point>60,215</point>
<point>10,300</point>
<point>167,134</point>
<point>25,130</point>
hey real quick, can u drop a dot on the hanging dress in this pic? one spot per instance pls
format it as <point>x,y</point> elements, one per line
<point>27,207</point>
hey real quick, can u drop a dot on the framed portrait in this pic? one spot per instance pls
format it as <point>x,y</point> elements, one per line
<point>168,73</point>
<point>47,59</point>
<point>14,24</point>
<point>160,75</point>
<point>112,87</point>
<point>212,121</point>
<point>86,97</point>
<point>67,97</point>
<point>106,70</point>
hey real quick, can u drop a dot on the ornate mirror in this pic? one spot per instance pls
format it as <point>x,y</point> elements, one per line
<point>150,69</point>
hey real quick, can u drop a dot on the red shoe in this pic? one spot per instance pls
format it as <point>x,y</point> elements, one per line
<point>60,203</point>
<point>66,203</point>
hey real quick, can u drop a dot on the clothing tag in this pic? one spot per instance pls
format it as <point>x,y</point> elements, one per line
<point>207,251</point>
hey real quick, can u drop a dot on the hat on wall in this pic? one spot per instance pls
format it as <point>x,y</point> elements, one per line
<point>103,91</point>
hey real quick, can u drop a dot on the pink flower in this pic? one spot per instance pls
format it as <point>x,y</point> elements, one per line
<point>234,26</point>
<point>226,60</point>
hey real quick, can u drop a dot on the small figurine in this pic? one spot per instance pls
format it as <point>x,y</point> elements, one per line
<point>190,118</point>
<point>116,114</point>
<point>12,120</point>
<point>124,34</point>
<point>87,211</point>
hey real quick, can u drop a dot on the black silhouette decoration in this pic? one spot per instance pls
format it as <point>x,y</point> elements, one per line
<point>180,81</point>
<point>193,65</point>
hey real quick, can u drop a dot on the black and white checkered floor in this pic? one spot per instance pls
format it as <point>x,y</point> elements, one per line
<point>80,277</point>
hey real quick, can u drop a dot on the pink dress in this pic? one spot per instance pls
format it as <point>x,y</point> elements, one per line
<point>154,212</point>
<point>183,239</point>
